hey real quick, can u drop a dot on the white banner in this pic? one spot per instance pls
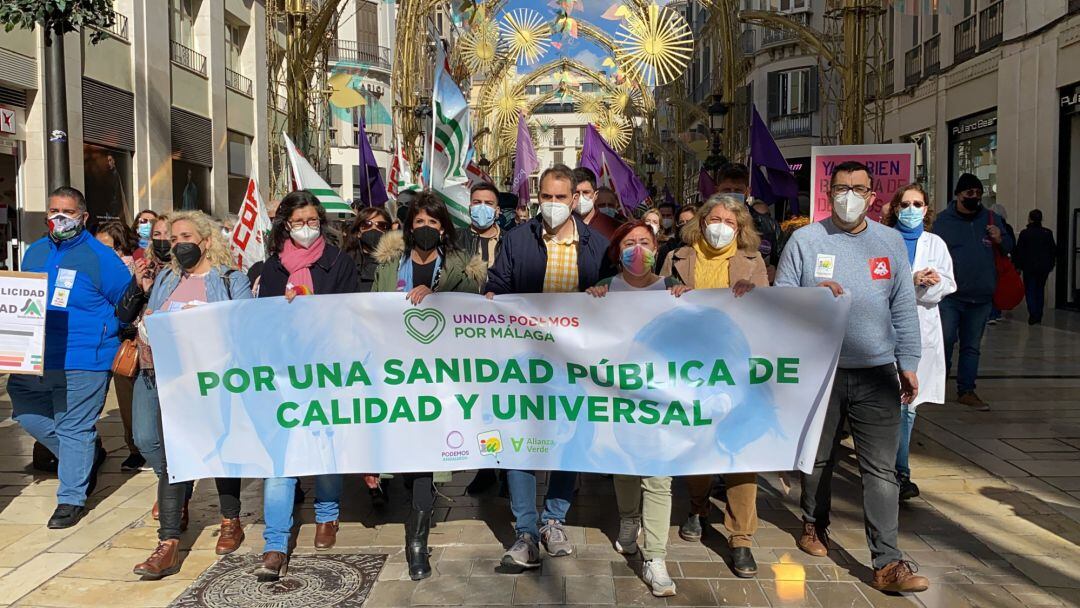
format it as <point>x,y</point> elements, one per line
<point>638,383</point>
<point>247,242</point>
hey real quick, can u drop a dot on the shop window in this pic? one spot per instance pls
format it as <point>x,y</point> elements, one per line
<point>191,187</point>
<point>108,183</point>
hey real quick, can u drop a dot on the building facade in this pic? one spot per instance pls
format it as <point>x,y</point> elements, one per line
<point>167,111</point>
<point>360,60</point>
<point>989,87</point>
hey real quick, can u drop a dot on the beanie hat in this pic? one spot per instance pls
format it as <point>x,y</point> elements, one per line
<point>967,181</point>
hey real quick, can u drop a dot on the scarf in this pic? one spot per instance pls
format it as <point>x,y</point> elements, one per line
<point>711,265</point>
<point>298,262</point>
<point>911,239</point>
<point>405,272</point>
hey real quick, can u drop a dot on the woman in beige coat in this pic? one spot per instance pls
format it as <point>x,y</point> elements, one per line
<point>722,252</point>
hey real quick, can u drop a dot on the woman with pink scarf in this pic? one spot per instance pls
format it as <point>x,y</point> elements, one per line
<point>301,263</point>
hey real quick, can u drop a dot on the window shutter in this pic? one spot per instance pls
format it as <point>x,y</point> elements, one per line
<point>774,94</point>
<point>813,87</point>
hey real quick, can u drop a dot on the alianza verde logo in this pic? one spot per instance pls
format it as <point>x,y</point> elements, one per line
<point>424,324</point>
<point>31,308</point>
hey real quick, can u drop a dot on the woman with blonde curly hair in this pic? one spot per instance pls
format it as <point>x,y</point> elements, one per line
<point>721,252</point>
<point>198,272</point>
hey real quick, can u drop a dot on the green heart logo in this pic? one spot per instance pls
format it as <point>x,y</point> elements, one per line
<point>424,324</point>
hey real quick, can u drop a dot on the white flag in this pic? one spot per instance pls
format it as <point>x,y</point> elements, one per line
<point>305,177</point>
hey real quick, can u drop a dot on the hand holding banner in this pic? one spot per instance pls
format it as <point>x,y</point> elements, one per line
<point>637,383</point>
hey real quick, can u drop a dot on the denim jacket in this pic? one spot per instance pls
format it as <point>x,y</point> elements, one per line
<point>216,291</point>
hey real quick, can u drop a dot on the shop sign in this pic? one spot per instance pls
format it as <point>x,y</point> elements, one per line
<point>968,125</point>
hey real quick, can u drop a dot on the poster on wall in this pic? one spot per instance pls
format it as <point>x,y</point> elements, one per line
<point>22,321</point>
<point>892,166</point>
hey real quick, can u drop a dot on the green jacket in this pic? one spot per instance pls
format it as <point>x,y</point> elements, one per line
<point>458,272</point>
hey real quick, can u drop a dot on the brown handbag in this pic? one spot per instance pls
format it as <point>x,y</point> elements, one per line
<point>126,361</point>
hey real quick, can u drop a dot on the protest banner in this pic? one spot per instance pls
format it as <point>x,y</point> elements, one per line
<point>892,166</point>
<point>636,383</point>
<point>22,321</point>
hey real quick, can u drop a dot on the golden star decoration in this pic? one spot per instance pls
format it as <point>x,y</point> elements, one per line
<point>655,44</point>
<point>526,34</point>
<point>506,102</point>
<point>614,128</point>
<point>480,47</point>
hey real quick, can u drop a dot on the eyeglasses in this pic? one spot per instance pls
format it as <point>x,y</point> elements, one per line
<point>145,220</point>
<point>972,193</point>
<point>298,224</point>
<point>380,225</point>
<point>840,189</point>
<point>918,204</point>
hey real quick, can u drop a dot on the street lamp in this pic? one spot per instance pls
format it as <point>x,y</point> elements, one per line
<point>483,163</point>
<point>717,111</point>
<point>650,161</point>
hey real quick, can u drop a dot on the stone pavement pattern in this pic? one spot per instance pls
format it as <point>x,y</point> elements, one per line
<point>998,522</point>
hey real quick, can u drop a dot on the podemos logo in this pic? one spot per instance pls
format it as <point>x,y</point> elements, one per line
<point>424,324</point>
<point>454,452</point>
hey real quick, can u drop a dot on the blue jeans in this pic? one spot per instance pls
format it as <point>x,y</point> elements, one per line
<point>60,410</point>
<point>907,422</point>
<point>522,486</point>
<point>279,498</point>
<point>146,421</point>
<point>966,321</point>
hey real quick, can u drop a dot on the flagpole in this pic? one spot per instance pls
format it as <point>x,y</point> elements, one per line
<point>363,161</point>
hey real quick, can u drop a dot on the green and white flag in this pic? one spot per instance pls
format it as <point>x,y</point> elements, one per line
<point>304,177</point>
<point>450,145</point>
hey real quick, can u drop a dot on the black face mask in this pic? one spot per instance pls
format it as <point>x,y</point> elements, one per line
<point>426,238</point>
<point>162,249</point>
<point>187,255</point>
<point>971,204</point>
<point>370,239</point>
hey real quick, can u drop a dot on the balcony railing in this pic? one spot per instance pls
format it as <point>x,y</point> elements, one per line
<point>913,66</point>
<point>119,28</point>
<point>188,58</point>
<point>991,22</point>
<point>281,103</point>
<point>792,125</point>
<point>964,40</point>
<point>238,82</point>
<point>932,55</point>
<point>777,36</point>
<point>360,52</point>
<point>558,141</point>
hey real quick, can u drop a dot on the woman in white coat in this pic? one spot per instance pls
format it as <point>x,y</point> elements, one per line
<point>932,272</point>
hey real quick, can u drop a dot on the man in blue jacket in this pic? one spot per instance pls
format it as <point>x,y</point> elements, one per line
<point>553,253</point>
<point>971,234</point>
<point>60,408</point>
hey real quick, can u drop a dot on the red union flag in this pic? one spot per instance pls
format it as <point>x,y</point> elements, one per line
<point>247,243</point>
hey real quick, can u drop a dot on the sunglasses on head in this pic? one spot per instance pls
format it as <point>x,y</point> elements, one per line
<point>379,225</point>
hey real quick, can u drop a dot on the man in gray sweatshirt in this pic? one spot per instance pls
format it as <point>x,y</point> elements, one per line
<point>868,263</point>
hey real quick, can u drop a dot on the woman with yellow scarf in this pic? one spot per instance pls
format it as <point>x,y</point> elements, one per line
<point>722,253</point>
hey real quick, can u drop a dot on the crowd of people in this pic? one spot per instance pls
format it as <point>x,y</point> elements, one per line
<point>920,284</point>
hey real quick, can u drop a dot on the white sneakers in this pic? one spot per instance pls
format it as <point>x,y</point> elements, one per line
<point>657,578</point>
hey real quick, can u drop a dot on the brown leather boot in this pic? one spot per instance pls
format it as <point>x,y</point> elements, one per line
<point>899,577</point>
<point>275,565</point>
<point>165,560</point>
<point>155,513</point>
<point>814,541</point>
<point>230,536</point>
<point>326,535</point>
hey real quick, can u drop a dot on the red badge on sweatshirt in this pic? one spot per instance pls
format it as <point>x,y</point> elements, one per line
<point>880,269</point>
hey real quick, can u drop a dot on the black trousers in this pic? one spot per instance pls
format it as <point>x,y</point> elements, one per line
<point>870,400</point>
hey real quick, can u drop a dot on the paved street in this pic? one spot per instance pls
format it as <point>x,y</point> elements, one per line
<point>998,522</point>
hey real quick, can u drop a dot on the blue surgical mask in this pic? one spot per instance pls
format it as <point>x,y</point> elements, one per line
<point>912,217</point>
<point>145,230</point>
<point>608,211</point>
<point>739,196</point>
<point>482,215</point>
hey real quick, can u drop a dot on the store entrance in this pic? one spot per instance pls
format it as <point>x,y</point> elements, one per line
<point>9,212</point>
<point>1068,226</point>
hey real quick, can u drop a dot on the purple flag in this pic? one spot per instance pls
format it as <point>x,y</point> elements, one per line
<point>372,189</point>
<point>706,185</point>
<point>525,162</point>
<point>770,175</point>
<point>609,166</point>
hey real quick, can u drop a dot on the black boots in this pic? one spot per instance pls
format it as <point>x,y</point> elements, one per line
<point>417,526</point>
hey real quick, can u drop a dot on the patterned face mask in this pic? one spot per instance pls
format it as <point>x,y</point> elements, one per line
<point>638,260</point>
<point>62,227</point>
